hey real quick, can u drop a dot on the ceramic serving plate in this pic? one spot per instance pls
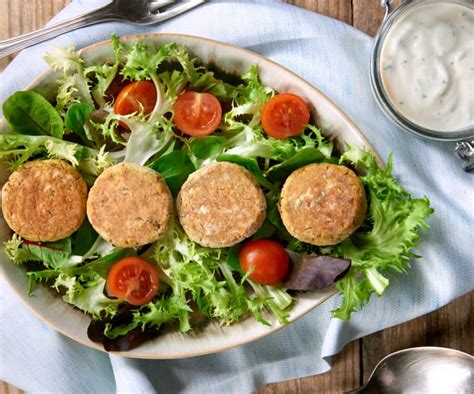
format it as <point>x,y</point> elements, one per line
<point>73,323</point>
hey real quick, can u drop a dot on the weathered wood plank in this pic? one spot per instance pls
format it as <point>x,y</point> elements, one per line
<point>344,376</point>
<point>367,15</point>
<point>20,17</point>
<point>6,388</point>
<point>337,9</point>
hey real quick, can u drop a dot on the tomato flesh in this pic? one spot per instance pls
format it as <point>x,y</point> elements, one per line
<point>285,115</point>
<point>134,280</point>
<point>197,114</point>
<point>136,97</point>
<point>266,260</point>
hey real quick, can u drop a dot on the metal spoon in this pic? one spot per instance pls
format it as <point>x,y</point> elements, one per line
<point>422,370</point>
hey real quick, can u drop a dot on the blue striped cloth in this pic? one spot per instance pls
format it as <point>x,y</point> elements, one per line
<point>335,58</point>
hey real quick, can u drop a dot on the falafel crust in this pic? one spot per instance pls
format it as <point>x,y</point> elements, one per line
<point>130,205</point>
<point>220,205</point>
<point>322,204</point>
<point>45,200</point>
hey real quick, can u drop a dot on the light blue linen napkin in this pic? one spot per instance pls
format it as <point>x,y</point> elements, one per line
<point>333,57</point>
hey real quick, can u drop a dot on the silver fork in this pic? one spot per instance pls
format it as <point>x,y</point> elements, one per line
<point>138,12</point>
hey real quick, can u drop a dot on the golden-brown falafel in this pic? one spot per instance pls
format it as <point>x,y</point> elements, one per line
<point>130,205</point>
<point>45,200</point>
<point>322,204</point>
<point>220,205</point>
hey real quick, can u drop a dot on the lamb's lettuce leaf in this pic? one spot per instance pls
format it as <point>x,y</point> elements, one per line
<point>251,165</point>
<point>76,118</point>
<point>305,156</point>
<point>206,147</point>
<point>174,167</point>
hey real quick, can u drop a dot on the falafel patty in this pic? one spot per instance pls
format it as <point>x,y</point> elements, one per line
<point>322,204</point>
<point>130,205</point>
<point>220,205</point>
<point>45,200</point>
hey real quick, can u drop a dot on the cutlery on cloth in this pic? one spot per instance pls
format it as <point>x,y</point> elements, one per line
<point>138,12</point>
<point>422,370</point>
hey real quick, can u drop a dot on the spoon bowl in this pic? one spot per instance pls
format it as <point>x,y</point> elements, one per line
<point>422,370</point>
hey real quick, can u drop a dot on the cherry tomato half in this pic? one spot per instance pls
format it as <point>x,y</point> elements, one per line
<point>134,280</point>
<point>197,114</point>
<point>266,259</point>
<point>136,97</point>
<point>285,115</point>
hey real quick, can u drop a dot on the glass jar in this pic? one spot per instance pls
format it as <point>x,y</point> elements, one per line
<point>465,135</point>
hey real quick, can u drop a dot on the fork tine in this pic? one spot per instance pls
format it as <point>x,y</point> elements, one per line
<point>179,9</point>
<point>155,5</point>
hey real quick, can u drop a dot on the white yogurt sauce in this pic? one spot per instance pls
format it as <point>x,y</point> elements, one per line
<point>427,66</point>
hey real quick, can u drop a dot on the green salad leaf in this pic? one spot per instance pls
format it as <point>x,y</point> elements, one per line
<point>395,219</point>
<point>142,64</point>
<point>251,165</point>
<point>104,74</point>
<point>102,265</point>
<point>76,117</point>
<point>31,114</point>
<point>174,167</point>
<point>73,86</point>
<point>86,292</point>
<point>54,255</point>
<point>15,251</point>
<point>82,284</point>
<point>16,150</point>
<point>207,147</point>
<point>83,239</point>
<point>305,156</point>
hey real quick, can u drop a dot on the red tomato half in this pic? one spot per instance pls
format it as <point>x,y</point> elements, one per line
<point>134,280</point>
<point>285,115</point>
<point>197,114</point>
<point>266,259</point>
<point>136,97</point>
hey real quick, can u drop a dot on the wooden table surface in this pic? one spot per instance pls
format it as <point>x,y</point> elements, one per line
<point>451,326</point>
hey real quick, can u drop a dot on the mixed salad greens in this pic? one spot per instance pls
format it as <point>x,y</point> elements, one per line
<point>197,283</point>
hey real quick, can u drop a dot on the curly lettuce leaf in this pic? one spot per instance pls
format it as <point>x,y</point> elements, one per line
<point>146,139</point>
<point>202,281</point>
<point>395,220</point>
<point>104,74</point>
<point>82,285</point>
<point>73,86</point>
<point>142,64</point>
<point>15,150</point>
<point>16,253</point>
